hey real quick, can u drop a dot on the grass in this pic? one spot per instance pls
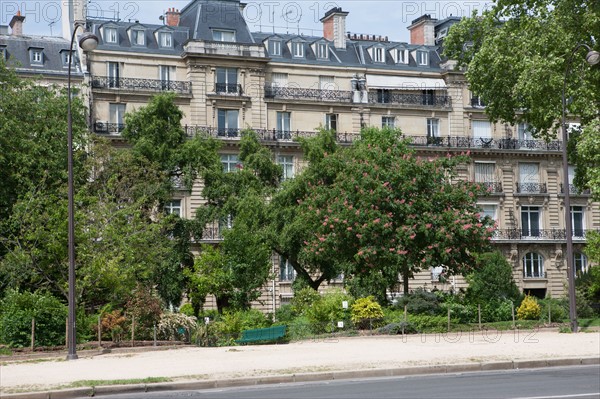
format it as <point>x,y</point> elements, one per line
<point>589,322</point>
<point>95,383</point>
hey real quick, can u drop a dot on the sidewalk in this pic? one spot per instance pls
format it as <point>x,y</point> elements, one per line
<point>301,361</point>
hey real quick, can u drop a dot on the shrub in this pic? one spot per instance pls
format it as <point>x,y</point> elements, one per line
<point>559,309</point>
<point>492,280</point>
<point>403,327</point>
<point>17,309</point>
<point>529,309</point>
<point>463,313</point>
<point>176,326</point>
<point>364,310</point>
<point>114,323</point>
<point>229,326</point>
<point>285,314</point>
<point>420,302</point>
<point>187,309</point>
<point>303,300</point>
<point>426,323</point>
<point>144,308</point>
<point>325,312</point>
<point>300,328</point>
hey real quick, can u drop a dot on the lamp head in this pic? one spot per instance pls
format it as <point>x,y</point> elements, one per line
<point>88,41</point>
<point>592,57</point>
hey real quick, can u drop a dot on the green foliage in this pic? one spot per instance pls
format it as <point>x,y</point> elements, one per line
<point>529,309</point>
<point>300,328</point>
<point>419,302</point>
<point>187,309</point>
<point>403,327</point>
<point>429,324</point>
<point>144,308</point>
<point>559,309</point>
<point>285,314</point>
<point>229,326</point>
<point>303,300</point>
<point>327,310</point>
<point>17,309</point>
<point>365,310</point>
<point>462,312</point>
<point>492,280</point>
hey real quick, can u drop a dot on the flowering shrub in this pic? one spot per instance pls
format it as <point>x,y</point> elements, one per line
<point>530,309</point>
<point>174,326</point>
<point>364,310</point>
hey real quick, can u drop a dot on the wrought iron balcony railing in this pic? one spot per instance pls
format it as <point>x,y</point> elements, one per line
<point>296,93</point>
<point>539,234</point>
<point>484,143</point>
<point>229,88</point>
<point>138,84</point>
<point>532,188</point>
<point>408,99</point>
<point>491,186</point>
<point>212,232</point>
<point>573,189</point>
<point>263,134</point>
<point>108,128</point>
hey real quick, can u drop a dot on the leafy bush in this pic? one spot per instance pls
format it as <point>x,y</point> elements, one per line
<point>176,326</point>
<point>463,313</point>
<point>144,308</point>
<point>300,328</point>
<point>285,314</point>
<point>398,328</point>
<point>529,309</point>
<point>187,309</point>
<point>229,326</point>
<point>492,280</point>
<point>426,323</point>
<point>303,300</point>
<point>17,309</point>
<point>364,310</point>
<point>325,312</point>
<point>114,322</point>
<point>497,311</point>
<point>559,309</point>
<point>420,302</point>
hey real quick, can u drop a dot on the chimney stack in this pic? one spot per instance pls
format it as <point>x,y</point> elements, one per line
<point>16,24</point>
<point>173,16</point>
<point>422,30</point>
<point>334,27</point>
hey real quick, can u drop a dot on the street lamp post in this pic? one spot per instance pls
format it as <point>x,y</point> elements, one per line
<point>88,42</point>
<point>592,58</point>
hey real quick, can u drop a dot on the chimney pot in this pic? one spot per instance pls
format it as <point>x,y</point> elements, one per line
<point>16,24</point>
<point>173,16</point>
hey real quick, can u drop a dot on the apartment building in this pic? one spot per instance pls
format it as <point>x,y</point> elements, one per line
<point>284,86</point>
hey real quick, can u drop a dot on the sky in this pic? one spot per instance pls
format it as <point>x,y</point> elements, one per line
<point>379,17</point>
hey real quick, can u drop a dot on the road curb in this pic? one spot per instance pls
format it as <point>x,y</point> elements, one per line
<point>303,377</point>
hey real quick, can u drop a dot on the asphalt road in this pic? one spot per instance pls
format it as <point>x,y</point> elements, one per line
<point>552,383</point>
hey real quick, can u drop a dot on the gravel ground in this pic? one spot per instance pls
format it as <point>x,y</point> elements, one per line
<point>356,353</point>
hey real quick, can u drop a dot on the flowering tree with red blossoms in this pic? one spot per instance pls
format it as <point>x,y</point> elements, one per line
<point>390,214</point>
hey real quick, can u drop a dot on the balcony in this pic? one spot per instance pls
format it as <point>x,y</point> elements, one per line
<point>296,93</point>
<point>484,143</point>
<point>229,49</point>
<point>491,187</point>
<point>108,128</point>
<point>574,190</point>
<point>263,134</point>
<point>228,89</point>
<point>141,85</point>
<point>409,99</point>
<point>539,234</point>
<point>211,233</point>
<point>532,188</point>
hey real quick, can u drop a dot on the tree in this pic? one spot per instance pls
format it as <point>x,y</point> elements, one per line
<point>236,270</point>
<point>492,281</point>
<point>389,213</point>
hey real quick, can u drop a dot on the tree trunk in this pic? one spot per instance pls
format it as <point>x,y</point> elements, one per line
<point>222,303</point>
<point>405,283</point>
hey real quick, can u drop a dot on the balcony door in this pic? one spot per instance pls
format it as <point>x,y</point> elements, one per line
<point>227,123</point>
<point>529,177</point>
<point>166,75</point>
<point>577,214</point>
<point>113,74</point>
<point>482,133</point>
<point>530,221</point>
<point>227,81</point>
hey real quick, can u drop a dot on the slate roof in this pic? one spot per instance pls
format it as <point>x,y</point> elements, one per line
<point>17,52</point>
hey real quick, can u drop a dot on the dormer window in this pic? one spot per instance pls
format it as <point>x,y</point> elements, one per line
<point>64,55</point>
<point>165,39</point>
<point>110,35</point>
<point>36,56</point>
<point>422,57</point>
<point>298,50</point>
<point>379,54</point>
<point>220,35</point>
<point>401,56</point>
<point>322,51</point>
<point>275,47</point>
<point>137,37</point>
<point>3,53</point>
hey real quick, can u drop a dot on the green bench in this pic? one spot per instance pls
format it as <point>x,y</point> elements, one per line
<point>262,334</point>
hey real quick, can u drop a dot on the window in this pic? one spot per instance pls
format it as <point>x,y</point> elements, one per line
<point>580,263</point>
<point>110,35</point>
<point>428,97</point>
<point>383,96</point>
<point>577,221</point>
<point>287,163</point>
<point>230,162</point>
<point>286,271</point>
<point>489,210</point>
<point>223,35</point>
<point>526,139</point>
<point>433,127</point>
<point>279,80</point>
<point>529,178</point>
<point>533,266</point>
<point>227,120</point>
<point>275,47</point>
<point>166,74</point>
<point>227,81</point>
<point>65,58</point>
<point>436,273</point>
<point>225,223</point>
<point>327,83</point>
<point>401,56</point>
<point>37,56</point>
<point>298,49</point>
<point>422,57</point>
<point>322,51</point>
<point>482,133</point>
<point>388,121</point>
<point>113,74</point>
<point>283,125</point>
<point>165,39</point>
<point>379,54</point>
<point>137,37</point>
<point>485,174</point>
<point>477,102</point>
<point>331,122</point>
<point>173,207</point>
<point>530,221</point>
<point>116,113</point>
